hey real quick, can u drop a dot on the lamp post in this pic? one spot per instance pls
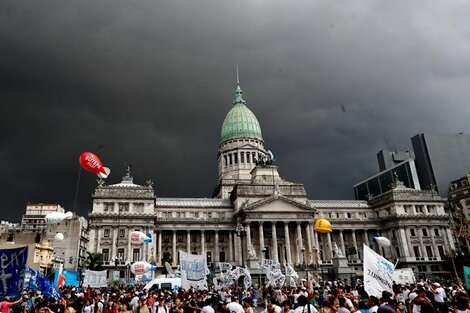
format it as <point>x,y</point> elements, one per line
<point>240,231</point>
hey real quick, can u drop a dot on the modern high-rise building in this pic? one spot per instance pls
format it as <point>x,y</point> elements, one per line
<point>440,158</point>
<point>393,165</point>
<point>388,159</point>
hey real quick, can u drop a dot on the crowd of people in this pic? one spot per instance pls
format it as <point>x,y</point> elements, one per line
<point>328,297</point>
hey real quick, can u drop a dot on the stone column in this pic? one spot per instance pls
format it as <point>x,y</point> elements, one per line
<point>330,246</point>
<point>317,247</point>
<point>113,245</point>
<point>98,239</point>
<point>355,243</point>
<point>300,244</point>
<point>450,238</point>
<point>188,241</point>
<point>393,253</point>
<point>402,244</point>
<point>424,254</point>
<point>341,240</point>
<point>286,234</point>
<point>274,238</point>
<point>435,251</point>
<point>239,249</point>
<point>309,244</point>
<point>203,243</point>
<point>159,249</point>
<point>408,240</point>
<point>261,241</point>
<point>366,237</point>
<point>248,238</point>
<point>230,246</point>
<point>216,245</point>
<point>174,256</point>
<point>129,247</point>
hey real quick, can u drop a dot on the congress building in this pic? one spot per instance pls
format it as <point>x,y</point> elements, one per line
<point>254,214</point>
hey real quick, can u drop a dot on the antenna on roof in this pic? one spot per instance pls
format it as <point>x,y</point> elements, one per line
<point>238,78</point>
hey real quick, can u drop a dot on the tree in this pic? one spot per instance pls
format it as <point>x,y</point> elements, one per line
<point>94,261</point>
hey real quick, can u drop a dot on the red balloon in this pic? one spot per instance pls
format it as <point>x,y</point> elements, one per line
<point>92,163</point>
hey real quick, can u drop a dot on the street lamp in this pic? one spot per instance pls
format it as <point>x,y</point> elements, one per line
<point>240,231</point>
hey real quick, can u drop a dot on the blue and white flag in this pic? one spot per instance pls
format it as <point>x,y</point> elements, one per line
<point>378,273</point>
<point>193,270</point>
<point>12,271</point>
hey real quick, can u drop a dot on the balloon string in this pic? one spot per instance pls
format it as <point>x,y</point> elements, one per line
<point>76,191</point>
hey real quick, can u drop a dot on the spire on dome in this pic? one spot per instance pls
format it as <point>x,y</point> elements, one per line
<point>238,92</point>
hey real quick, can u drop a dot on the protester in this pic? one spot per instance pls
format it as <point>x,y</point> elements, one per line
<point>5,305</point>
<point>304,306</point>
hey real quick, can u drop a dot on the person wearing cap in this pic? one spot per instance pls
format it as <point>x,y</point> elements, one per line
<point>439,297</point>
<point>142,307</point>
<point>315,299</point>
<point>159,306</point>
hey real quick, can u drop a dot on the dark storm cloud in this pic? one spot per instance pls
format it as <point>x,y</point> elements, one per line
<point>149,82</point>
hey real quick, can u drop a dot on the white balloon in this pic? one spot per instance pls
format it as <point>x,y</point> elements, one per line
<point>138,237</point>
<point>57,217</point>
<point>382,241</point>
<point>140,268</point>
<point>59,237</point>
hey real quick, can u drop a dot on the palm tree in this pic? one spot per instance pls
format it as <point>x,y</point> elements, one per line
<point>94,261</point>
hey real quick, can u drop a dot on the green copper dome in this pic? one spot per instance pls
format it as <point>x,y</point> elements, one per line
<point>240,121</point>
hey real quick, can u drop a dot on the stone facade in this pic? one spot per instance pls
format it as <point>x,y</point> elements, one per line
<point>256,214</point>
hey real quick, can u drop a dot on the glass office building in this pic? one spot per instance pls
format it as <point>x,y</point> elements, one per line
<point>382,182</point>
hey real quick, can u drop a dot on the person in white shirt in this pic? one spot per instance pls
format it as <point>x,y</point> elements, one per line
<point>439,296</point>
<point>208,307</point>
<point>159,306</point>
<point>134,302</point>
<point>234,307</point>
<point>272,308</point>
<point>304,306</point>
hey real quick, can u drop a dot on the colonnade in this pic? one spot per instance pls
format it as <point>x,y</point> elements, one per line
<point>288,242</point>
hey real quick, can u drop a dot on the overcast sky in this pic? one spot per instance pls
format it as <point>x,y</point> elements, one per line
<point>150,82</point>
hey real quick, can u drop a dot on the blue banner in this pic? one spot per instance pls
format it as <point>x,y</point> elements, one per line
<point>30,279</point>
<point>12,271</point>
<point>71,278</point>
<point>47,288</point>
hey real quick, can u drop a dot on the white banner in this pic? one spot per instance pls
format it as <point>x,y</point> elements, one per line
<point>378,273</point>
<point>193,270</point>
<point>95,279</point>
<point>404,276</point>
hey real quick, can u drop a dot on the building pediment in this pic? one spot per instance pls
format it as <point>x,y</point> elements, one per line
<point>274,208</point>
<point>277,204</point>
